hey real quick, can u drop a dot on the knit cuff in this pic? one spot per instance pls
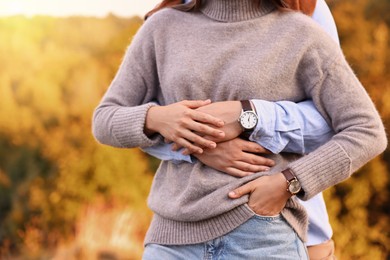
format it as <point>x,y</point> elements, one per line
<point>128,127</point>
<point>325,167</point>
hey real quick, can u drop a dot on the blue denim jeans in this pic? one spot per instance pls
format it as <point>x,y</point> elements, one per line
<point>258,238</point>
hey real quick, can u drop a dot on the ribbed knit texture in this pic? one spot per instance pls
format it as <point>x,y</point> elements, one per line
<point>128,120</point>
<point>331,166</point>
<point>234,10</point>
<point>170,232</point>
<point>233,50</point>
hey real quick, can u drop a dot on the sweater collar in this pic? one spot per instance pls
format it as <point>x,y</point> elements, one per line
<point>235,10</point>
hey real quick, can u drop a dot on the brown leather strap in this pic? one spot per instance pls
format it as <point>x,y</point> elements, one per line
<point>246,105</point>
<point>288,174</point>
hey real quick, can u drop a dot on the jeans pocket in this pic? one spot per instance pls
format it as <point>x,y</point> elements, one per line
<point>267,218</point>
<point>261,217</point>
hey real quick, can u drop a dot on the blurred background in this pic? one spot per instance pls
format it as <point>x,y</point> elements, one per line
<point>63,196</point>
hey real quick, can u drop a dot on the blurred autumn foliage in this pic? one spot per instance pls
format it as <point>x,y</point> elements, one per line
<point>63,196</point>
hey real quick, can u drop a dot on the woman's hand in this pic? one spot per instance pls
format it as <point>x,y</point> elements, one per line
<point>235,157</point>
<point>229,112</point>
<point>268,194</point>
<point>178,122</point>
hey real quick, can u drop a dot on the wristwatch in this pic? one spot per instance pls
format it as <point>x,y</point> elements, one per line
<point>293,185</point>
<point>248,119</point>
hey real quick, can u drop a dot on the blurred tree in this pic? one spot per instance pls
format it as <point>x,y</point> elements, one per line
<point>359,208</point>
<point>53,74</point>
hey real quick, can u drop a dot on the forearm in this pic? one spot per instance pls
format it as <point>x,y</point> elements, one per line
<point>120,117</point>
<point>290,127</point>
<point>342,100</point>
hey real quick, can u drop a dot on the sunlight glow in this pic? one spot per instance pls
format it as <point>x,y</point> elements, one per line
<point>98,8</point>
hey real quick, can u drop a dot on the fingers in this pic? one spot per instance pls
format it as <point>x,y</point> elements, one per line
<point>191,148</point>
<point>197,140</point>
<point>195,103</point>
<point>241,191</point>
<point>252,147</point>
<point>191,141</point>
<point>237,172</point>
<point>186,152</point>
<point>206,118</point>
<point>257,160</point>
<point>189,130</point>
<point>205,130</point>
<point>250,168</point>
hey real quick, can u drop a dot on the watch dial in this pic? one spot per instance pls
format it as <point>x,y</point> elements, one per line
<point>248,120</point>
<point>294,187</point>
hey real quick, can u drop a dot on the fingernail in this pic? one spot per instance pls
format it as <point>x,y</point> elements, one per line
<point>212,145</point>
<point>232,194</point>
<point>267,169</point>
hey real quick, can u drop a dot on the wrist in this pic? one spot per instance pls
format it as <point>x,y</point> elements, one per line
<point>151,124</point>
<point>283,185</point>
<point>293,184</point>
<point>248,118</point>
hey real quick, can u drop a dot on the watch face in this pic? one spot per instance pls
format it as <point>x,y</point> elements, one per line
<point>294,186</point>
<point>248,120</point>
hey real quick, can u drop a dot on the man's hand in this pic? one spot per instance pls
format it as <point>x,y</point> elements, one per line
<point>268,194</point>
<point>236,157</point>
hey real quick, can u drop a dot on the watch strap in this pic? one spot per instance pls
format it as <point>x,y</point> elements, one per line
<point>245,135</point>
<point>246,105</point>
<point>288,175</point>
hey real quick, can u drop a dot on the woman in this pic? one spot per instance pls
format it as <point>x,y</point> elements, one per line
<point>234,50</point>
<point>304,130</point>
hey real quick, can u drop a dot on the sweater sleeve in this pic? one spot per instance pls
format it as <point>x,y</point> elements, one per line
<point>120,117</point>
<point>360,135</point>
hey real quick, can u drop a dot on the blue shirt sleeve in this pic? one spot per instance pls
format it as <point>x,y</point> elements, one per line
<point>164,152</point>
<point>286,126</point>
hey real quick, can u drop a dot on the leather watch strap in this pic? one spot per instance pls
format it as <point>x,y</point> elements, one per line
<point>288,174</point>
<point>246,105</point>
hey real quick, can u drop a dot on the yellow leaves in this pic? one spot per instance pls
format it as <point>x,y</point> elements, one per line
<point>54,197</point>
<point>365,42</point>
<point>381,43</point>
<point>53,73</point>
<point>5,182</point>
<point>107,229</point>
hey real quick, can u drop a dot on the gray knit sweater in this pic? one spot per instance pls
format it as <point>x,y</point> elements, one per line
<point>233,50</point>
